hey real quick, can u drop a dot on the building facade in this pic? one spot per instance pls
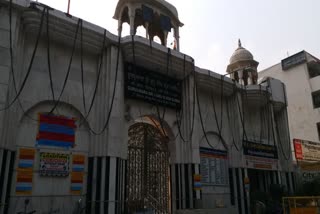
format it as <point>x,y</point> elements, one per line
<point>97,123</point>
<point>301,75</point>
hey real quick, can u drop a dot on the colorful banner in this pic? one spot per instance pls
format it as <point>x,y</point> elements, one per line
<point>307,150</point>
<point>76,182</point>
<point>25,171</point>
<point>53,164</point>
<point>78,162</point>
<point>197,182</point>
<point>57,131</point>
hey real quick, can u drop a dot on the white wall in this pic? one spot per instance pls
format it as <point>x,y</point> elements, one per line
<point>302,116</point>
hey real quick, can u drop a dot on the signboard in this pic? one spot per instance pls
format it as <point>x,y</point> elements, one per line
<point>213,166</point>
<point>307,150</point>
<point>293,60</point>
<point>54,164</point>
<point>309,170</point>
<point>260,150</point>
<point>298,149</point>
<point>152,87</point>
<point>260,156</point>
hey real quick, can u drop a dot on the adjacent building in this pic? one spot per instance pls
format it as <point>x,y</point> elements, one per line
<point>98,123</point>
<point>301,75</point>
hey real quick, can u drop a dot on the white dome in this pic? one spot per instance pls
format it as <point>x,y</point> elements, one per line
<point>241,54</point>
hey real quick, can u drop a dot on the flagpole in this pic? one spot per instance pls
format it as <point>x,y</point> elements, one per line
<point>68,12</point>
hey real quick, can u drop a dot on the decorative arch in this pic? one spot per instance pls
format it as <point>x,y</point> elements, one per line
<point>46,106</point>
<point>203,140</point>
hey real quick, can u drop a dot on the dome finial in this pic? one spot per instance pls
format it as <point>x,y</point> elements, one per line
<point>239,43</point>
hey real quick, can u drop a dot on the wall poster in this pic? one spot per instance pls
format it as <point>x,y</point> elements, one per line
<point>54,164</point>
<point>213,166</point>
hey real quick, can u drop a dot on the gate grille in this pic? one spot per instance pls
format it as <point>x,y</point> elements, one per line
<point>148,169</point>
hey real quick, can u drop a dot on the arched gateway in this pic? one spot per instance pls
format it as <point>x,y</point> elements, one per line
<point>148,169</point>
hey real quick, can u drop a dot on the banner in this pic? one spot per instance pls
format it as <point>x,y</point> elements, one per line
<point>57,131</point>
<point>306,150</point>
<point>260,150</point>
<point>25,171</point>
<point>53,164</point>
<point>77,174</point>
<point>213,166</point>
<point>260,156</point>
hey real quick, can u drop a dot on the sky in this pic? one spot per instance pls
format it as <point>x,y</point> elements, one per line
<point>270,29</point>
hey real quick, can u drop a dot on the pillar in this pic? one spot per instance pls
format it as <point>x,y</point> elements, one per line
<point>147,30</point>
<point>119,27</point>
<point>131,14</point>
<point>165,38</point>
<point>240,74</point>
<point>250,82</point>
<point>177,37</point>
<point>247,192</point>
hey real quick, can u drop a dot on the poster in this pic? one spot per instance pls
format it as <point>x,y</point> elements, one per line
<point>25,171</point>
<point>54,164</point>
<point>260,156</point>
<point>213,166</point>
<point>306,150</point>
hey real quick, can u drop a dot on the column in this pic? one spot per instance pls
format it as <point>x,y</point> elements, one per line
<point>147,30</point>
<point>177,36</point>
<point>250,78</point>
<point>131,20</point>
<point>119,27</point>
<point>247,192</point>
<point>165,37</point>
<point>240,74</point>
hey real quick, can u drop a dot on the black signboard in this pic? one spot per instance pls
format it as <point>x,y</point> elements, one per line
<point>293,60</point>
<point>152,87</point>
<point>260,150</point>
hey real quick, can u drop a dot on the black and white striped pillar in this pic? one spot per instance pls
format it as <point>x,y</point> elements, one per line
<point>182,192</point>
<point>106,185</point>
<point>7,159</point>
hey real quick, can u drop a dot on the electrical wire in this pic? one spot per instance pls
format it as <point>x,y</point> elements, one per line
<point>214,107</point>
<point>68,70</point>
<point>97,80</point>
<point>48,57</point>
<point>181,112</point>
<point>81,65</point>
<point>278,135</point>
<point>244,133</point>
<point>18,92</point>
<point>229,121</point>
<point>201,120</point>
<point>113,93</point>
<point>194,102</point>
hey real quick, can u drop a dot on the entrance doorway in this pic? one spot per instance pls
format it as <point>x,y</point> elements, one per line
<point>147,170</point>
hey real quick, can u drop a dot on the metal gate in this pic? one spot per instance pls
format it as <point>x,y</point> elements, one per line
<point>147,170</point>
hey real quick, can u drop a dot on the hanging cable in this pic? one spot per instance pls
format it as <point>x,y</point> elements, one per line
<point>81,65</point>
<point>97,80</point>
<point>201,120</point>
<point>48,57</point>
<point>214,108</point>
<point>278,134</point>
<point>221,104</point>
<point>113,93</point>
<point>69,69</point>
<point>194,102</point>
<point>181,112</point>
<point>229,121</point>
<point>18,92</point>
<point>241,114</point>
